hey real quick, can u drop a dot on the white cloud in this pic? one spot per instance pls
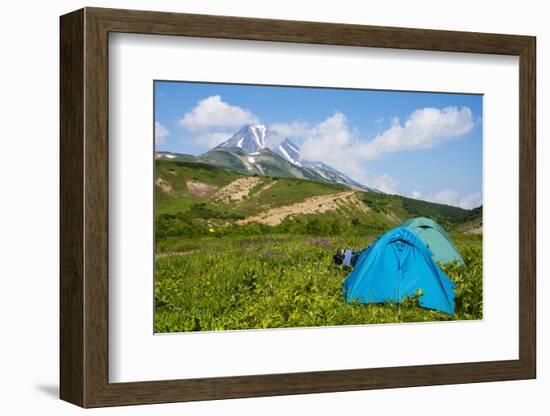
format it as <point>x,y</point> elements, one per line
<point>470,201</point>
<point>329,141</point>
<point>384,183</point>
<point>451,197</point>
<point>280,131</point>
<point>160,133</point>
<point>332,141</point>
<point>212,113</point>
<point>416,195</point>
<point>210,139</point>
<point>447,197</point>
<point>425,128</point>
<point>296,128</point>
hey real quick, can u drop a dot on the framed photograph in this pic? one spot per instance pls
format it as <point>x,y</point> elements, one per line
<point>254,207</point>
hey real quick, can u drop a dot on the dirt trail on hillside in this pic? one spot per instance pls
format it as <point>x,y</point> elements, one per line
<point>200,189</point>
<point>237,189</point>
<point>266,186</point>
<point>313,205</point>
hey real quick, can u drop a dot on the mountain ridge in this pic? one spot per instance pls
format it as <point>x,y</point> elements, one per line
<point>266,199</point>
<point>253,139</point>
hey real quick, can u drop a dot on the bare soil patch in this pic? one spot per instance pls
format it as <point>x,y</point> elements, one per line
<point>313,205</point>
<point>200,189</point>
<point>164,185</point>
<point>237,189</point>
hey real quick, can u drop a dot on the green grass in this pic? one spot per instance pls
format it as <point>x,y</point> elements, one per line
<point>213,274</point>
<point>179,172</point>
<point>386,210</point>
<point>284,191</point>
<point>447,216</point>
<point>278,281</point>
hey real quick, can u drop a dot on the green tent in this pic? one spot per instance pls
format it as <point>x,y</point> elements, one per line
<point>435,237</point>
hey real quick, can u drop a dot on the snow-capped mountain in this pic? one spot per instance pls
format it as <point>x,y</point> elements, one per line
<point>289,151</point>
<point>251,138</point>
<point>255,140</point>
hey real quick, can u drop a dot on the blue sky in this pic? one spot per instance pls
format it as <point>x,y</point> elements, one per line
<point>424,145</point>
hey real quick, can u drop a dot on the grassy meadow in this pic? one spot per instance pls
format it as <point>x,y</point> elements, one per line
<point>260,255</point>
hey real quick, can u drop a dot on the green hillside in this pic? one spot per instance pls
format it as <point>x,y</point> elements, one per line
<point>192,193</point>
<point>236,251</point>
<point>264,163</point>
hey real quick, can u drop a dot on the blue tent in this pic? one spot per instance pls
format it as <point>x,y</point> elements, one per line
<point>435,237</point>
<point>394,267</point>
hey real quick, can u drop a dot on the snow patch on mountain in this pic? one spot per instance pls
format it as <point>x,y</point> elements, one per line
<point>253,139</point>
<point>164,155</point>
<point>286,150</point>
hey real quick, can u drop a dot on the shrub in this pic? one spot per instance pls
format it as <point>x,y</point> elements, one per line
<point>282,280</point>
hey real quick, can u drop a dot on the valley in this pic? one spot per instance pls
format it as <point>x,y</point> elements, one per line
<point>281,206</point>
<point>237,251</point>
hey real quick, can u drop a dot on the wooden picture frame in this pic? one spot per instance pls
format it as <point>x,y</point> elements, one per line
<point>84,207</point>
